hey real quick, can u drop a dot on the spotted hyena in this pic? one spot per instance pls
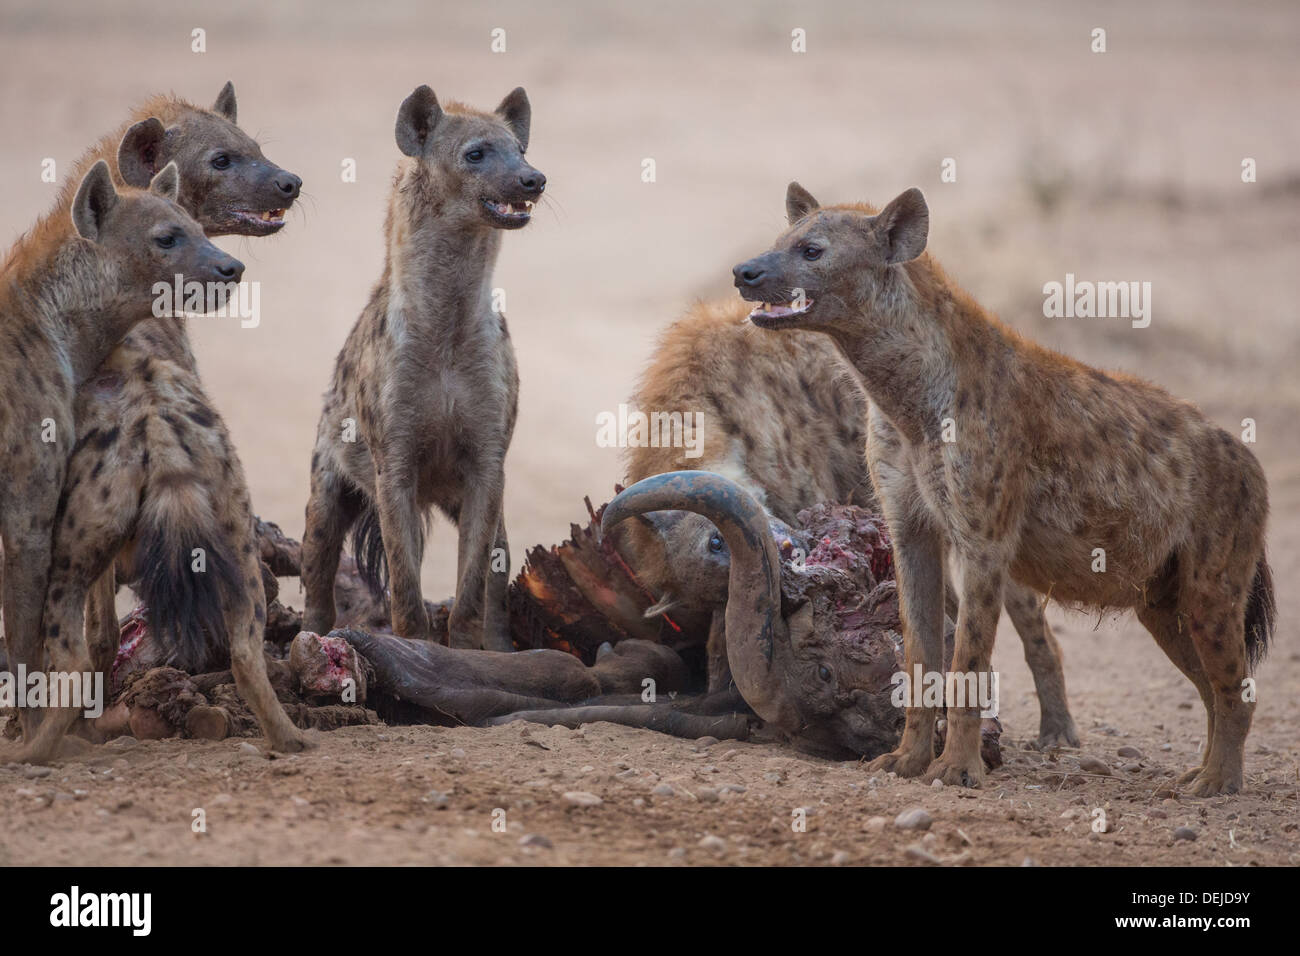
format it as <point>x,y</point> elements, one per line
<point>1027,464</point>
<point>155,494</point>
<point>423,401</point>
<point>69,291</point>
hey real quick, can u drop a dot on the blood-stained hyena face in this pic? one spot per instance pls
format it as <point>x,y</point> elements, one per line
<point>476,158</point>
<point>144,237</point>
<point>831,260</point>
<point>226,182</point>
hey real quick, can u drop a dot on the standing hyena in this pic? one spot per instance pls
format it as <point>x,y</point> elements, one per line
<point>69,291</point>
<point>784,418</point>
<point>155,481</point>
<point>1051,464</point>
<point>423,400</point>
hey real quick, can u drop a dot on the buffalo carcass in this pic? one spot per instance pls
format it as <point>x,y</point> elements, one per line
<point>812,632</point>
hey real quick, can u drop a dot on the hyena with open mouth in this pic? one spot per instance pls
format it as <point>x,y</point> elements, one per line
<point>423,400</point>
<point>154,480</point>
<point>1024,462</point>
<point>69,290</point>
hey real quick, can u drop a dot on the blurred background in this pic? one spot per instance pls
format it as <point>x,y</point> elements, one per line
<point>1122,165</point>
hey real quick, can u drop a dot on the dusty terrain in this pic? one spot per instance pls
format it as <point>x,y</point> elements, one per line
<point>1116,166</point>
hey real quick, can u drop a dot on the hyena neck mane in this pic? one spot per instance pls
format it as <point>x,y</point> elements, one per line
<point>437,270</point>
<point>56,225</point>
<point>68,304</point>
<point>910,337</point>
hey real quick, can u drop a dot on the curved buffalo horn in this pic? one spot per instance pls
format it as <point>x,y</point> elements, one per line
<point>757,640</point>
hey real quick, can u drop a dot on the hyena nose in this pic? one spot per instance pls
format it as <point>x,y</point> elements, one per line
<point>747,274</point>
<point>288,184</point>
<point>533,181</point>
<point>230,269</point>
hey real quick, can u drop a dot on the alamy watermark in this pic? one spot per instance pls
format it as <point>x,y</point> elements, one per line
<point>630,428</point>
<point>220,300</point>
<point>82,691</point>
<point>946,689</point>
<point>1102,300</point>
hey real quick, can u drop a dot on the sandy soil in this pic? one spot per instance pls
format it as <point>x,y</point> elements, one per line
<point>1123,165</point>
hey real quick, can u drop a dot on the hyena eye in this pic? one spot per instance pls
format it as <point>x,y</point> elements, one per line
<point>812,253</point>
<point>474,156</point>
<point>164,242</point>
<point>220,161</point>
<point>824,672</point>
<point>715,543</point>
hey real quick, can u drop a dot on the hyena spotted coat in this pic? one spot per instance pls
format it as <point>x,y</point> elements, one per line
<point>423,401</point>
<point>1050,461</point>
<point>69,291</point>
<point>155,480</point>
<point>785,418</point>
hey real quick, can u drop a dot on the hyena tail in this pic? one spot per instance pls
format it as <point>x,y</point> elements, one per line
<point>368,549</point>
<point>189,573</point>
<point>1261,611</point>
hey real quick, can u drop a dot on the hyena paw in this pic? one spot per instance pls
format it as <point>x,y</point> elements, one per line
<point>905,763</point>
<point>1185,778</point>
<point>1212,783</point>
<point>1056,732</point>
<point>956,773</point>
<point>293,743</point>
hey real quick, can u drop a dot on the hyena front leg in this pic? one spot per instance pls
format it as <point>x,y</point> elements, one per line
<point>400,525</point>
<point>496,615</point>
<point>82,550</point>
<point>919,571</point>
<point>28,543</point>
<point>331,511</point>
<point>1043,655</point>
<point>479,526</point>
<point>983,577</point>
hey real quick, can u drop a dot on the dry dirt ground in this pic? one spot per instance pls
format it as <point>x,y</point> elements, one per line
<point>1115,166</point>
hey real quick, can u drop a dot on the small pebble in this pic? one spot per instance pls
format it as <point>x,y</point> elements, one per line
<point>1132,752</point>
<point>536,839</point>
<point>914,818</point>
<point>1185,833</point>
<point>663,790</point>
<point>581,798</point>
<point>713,844</point>
<point>1090,764</point>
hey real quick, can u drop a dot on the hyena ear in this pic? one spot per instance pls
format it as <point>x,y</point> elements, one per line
<point>903,226</point>
<point>798,203</point>
<point>167,183</point>
<point>518,114</point>
<point>416,119</point>
<point>225,104</point>
<point>138,156</point>
<point>96,197</point>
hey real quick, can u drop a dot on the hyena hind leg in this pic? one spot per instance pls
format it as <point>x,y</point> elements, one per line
<point>245,618</point>
<point>1218,632</point>
<point>1175,638</point>
<point>1043,655</point>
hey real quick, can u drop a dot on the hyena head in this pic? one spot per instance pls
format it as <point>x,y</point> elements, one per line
<point>143,237</point>
<point>833,263</point>
<point>476,160</point>
<point>226,182</point>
